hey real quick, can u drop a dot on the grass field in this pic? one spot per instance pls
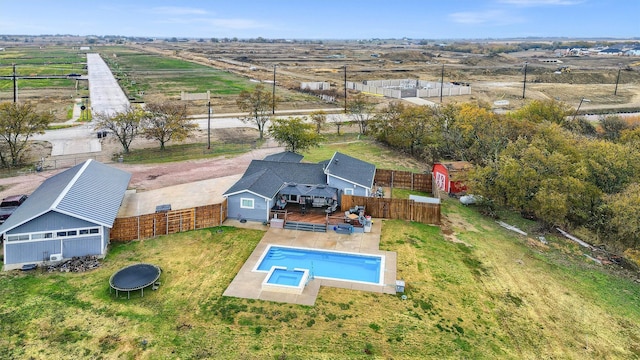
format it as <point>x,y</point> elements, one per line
<point>474,290</point>
<point>30,61</point>
<point>488,294</point>
<point>160,75</point>
<point>182,152</point>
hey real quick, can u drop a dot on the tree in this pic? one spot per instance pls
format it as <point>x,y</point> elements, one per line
<point>295,134</point>
<point>319,118</point>
<point>361,111</point>
<point>538,111</point>
<point>624,210</point>
<point>124,125</point>
<point>18,123</point>
<point>258,103</point>
<point>166,121</point>
<point>612,127</point>
<point>407,128</point>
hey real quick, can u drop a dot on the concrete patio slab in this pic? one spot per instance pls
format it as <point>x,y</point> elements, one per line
<point>248,283</point>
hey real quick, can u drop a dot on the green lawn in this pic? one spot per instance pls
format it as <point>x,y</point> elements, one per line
<point>183,152</point>
<point>489,294</point>
<point>364,149</point>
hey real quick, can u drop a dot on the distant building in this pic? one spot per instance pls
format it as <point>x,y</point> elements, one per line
<point>610,51</point>
<point>634,51</point>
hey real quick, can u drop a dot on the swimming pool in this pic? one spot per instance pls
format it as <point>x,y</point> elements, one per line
<point>336,265</point>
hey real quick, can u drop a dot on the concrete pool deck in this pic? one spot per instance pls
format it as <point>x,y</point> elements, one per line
<point>247,283</point>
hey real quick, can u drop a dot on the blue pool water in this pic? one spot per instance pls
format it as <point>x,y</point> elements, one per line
<point>285,277</point>
<point>325,264</point>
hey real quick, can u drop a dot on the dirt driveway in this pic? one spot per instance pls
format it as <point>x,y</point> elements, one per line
<point>153,176</point>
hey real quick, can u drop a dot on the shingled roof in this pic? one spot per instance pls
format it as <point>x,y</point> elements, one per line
<point>285,156</point>
<point>266,178</point>
<point>351,170</point>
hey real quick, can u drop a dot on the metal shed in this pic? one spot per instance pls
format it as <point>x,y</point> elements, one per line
<point>69,215</point>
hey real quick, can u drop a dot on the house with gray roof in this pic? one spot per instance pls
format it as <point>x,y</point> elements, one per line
<point>69,214</point>
<point>282,178</point>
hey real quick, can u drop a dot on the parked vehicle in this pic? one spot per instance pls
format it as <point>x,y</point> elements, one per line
<point>9,205</point>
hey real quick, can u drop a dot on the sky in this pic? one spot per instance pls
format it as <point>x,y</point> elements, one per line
<point>324,19</point>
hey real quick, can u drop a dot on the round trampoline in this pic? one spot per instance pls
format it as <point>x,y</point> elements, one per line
<point>135,277</point>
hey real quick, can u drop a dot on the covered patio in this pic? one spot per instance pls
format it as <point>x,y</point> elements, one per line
<point>308,197</point>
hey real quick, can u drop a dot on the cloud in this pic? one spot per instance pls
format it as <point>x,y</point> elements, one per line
<point>495,17</point>
<point>531,3</point>
<point>176,10</point>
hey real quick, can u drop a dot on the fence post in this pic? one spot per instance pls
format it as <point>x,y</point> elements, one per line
<point>138,218</point>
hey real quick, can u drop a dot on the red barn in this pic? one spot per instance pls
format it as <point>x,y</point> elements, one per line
<point>451,175</point>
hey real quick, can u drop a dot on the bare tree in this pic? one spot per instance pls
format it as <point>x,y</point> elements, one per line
<point>319,118</point>
<point>167,121</point>
<point>259,104</point>
<point>125,125</point>
<point>361,111</point>
<point>18,123</point>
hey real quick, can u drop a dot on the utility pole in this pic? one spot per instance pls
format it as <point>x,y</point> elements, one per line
<point>524,83</point>
<point>273,100</point>
<point>345,89</point>
<point>615,92</point>
<point>578,108</point>
<point>209,125</point>
<point>15,85</point>
<point>441,82</point>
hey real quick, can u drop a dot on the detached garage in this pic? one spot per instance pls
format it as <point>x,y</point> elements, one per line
<point>69,215</point>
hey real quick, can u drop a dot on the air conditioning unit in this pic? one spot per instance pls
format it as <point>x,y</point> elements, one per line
<point>55,257</point>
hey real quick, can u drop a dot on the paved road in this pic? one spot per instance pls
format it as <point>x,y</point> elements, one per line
<point>223,121</point>
<point>106,95</point>
<point>106,98</point>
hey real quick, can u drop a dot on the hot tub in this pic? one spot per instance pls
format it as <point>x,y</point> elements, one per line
<point>281,279</point>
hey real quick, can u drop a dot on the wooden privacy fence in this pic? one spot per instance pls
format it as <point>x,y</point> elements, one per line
<point>385,208</point>
<point>403,180</point>
<point>170,222</point>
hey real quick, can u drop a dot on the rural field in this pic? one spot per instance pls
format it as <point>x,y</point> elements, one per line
<point>161,70</point>
<point>474,290</point>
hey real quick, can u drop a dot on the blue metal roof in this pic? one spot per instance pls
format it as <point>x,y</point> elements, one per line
<point>91,191</point>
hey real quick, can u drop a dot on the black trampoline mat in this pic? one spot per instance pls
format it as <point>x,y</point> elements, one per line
<point>134,277</point>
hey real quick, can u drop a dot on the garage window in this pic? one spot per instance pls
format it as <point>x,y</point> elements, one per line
<point>246,203</point>
<point>41,236</point>
<point>21,237</point>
